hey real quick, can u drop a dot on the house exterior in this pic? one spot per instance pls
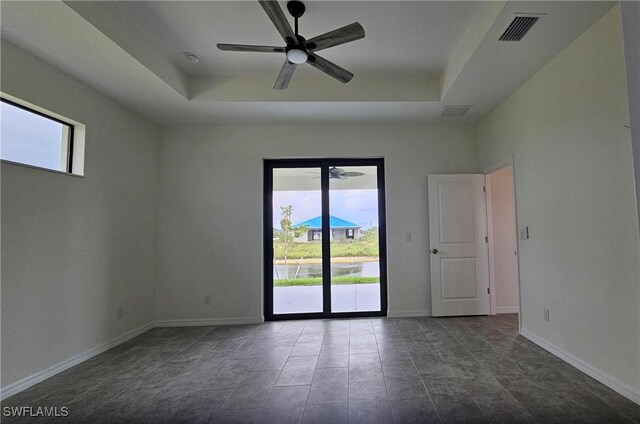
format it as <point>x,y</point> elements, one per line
<point>340,229</point>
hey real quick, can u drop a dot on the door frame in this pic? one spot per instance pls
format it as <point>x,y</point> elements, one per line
<point>323,164</point>
<point>504,163</point>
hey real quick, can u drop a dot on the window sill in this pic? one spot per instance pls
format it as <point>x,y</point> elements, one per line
<point>39,168</point>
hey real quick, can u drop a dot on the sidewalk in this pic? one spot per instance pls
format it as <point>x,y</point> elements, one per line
<point>344,298</point>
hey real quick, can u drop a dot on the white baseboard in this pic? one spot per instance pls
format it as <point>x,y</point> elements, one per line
<point>208,321</point>
<point>506,309</point>
<point>25,383</point>
<point>624,389</point>
<point>409,314</point>
<point>36,378</point>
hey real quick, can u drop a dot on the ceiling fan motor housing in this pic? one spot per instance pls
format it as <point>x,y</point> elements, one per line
<point>296,8</point>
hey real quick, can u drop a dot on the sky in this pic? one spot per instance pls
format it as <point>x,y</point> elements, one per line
<point>357,206</point>
<point>29,138</point>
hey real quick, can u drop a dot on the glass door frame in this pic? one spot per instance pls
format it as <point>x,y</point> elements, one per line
<point>324,165</point>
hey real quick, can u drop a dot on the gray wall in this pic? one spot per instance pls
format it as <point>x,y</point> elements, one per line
<point>211,188</point>
<point>631,32</point>
<point>74,249</point>
<point>575,190</point>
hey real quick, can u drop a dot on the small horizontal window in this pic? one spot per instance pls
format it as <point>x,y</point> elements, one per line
<point>34,138</point>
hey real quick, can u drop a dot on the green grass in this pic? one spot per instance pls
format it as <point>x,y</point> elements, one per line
<point>316,281</point>
<point>367,245</point>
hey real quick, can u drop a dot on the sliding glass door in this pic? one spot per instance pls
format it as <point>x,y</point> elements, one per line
<point>324,238</point>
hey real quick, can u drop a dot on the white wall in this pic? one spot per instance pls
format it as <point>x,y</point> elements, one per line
<point>504,266</point>
<point>74,249</point>
<point>210,225</point>
<point>575,190</point>
<point>631,30</point>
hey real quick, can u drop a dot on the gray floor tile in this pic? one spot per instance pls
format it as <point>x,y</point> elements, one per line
<point>466,369</point>
<point>367,411</point>
<point>447,386</point>
<point>291,415</point>
<point>394,355</point>
<point>307,348</point>
<point>323,414</point>
<point>253,391</point>
<point>365,367</point>
<point>236,416</point>
<point>292,397</point>
<point>298,370</point>
<point>405,388</point>
<point>418,411</point>
<point>457,408</point>
<point>200,407</point>
<point>334,356</point>
<point>330,385</point>
<point>368,390</point>
<point>503,408</point>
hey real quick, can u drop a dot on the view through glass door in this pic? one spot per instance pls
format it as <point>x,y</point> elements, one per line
<point>324,238</point>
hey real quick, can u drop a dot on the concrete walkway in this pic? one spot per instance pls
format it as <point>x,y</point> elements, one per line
<point>344,298</point>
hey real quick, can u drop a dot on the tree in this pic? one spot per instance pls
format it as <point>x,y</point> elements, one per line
<point>289,233</point>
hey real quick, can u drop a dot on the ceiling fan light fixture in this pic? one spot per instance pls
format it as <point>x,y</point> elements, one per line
<point>297,56</point>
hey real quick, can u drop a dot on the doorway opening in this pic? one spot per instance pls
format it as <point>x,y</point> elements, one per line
<point>503,243</point>
<point>324,238</point>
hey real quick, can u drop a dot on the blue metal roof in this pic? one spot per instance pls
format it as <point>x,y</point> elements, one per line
<point>334,222</point>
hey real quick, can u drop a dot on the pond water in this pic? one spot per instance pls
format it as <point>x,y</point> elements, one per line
<point>356,269</point>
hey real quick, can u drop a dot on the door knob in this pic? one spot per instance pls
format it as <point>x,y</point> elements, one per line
<point>434,251</point>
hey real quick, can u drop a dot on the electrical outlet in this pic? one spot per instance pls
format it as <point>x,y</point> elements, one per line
<point>545,313</point>
<point>119,312</point>
<point>207,299</point>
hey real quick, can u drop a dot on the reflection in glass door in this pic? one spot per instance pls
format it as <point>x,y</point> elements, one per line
<point>324,238</point>
<point>355,243</point>
<point>297,241</point>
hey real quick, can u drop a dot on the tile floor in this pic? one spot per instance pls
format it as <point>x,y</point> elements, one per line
<point>422,370</point>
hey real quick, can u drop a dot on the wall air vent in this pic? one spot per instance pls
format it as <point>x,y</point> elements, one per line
<point>518,28</point>
<point>454,111</point>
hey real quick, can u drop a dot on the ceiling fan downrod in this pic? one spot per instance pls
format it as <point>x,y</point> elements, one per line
<point>296,9</point>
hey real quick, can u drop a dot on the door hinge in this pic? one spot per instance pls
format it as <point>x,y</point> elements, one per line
<point>484,189</point>
<point>486,239</point>
<point>488,290</point>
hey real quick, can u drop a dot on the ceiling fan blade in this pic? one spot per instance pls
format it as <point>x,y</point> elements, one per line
<point>329,68</point>
<point>353,174</point>
<point>279,20</point>
<point>285,75</point>
<point>249,48</point>
<point>346,34</point>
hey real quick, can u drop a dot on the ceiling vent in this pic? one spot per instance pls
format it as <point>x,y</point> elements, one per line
<point>454,111</point>
<point>518,28</point>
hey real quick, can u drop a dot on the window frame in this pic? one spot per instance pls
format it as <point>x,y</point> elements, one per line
<point>68,169</point>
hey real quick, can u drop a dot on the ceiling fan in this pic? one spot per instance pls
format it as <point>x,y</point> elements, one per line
<point>340,174</point>
<point>299,50</point>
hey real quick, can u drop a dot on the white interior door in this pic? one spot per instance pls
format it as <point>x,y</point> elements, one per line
<point>458,248</point>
